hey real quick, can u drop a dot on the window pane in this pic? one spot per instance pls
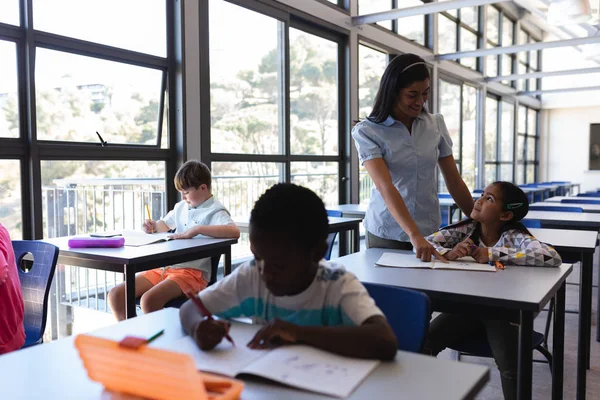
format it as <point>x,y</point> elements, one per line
<point>531,150</point>
<point>522,120</point>
<point>533,58</point>
<point>245,81</point>
<point>9,98</point>
<point>493,16</point>
<point>490,173</point>
<point>491,128</point>
<point>412,28</point>
<point>373,6</point>
<point>520,147</point>
<point>506,172</point>
<point>313,94</point>
<point>468,135</point>
<point>468,41</point>
<point>450,109</point>
<point>492,66</point>
<point>10,198</point>
<point>506,131</point>
<point>77,96</point>
<point>371,64</point>
<point>9,12</point>
<point>320,177</point>
<point>532,82</point>
<point>507,31</point>
<point>520,178</point>
<point>532,123</point>
<point>446,35</point>
<point>468,15</point>
<point>138,25</point>
<point>89,196</point>
<point>530,174</point>
<point>506,66</point>
<point>365,185</point>
<point>521,69</point>
<point>522,39</point>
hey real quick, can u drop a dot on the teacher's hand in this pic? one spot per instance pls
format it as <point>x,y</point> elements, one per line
<point>425,250</point>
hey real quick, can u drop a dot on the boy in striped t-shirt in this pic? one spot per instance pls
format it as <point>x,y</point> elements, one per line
<point>290,289</point>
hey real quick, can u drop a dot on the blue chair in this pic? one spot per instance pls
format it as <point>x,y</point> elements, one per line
<point>407,311</point>
<point>580,201</point>
<point>39,259</point>
<point>444,216</point>
<point>444,196</point>
<point>331,236</point>
<point>588,194</point>
<point>478,191</point>
<point>532,223</point>
<point>556,208</point>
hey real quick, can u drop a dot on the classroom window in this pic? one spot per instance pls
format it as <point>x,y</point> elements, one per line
<point>77,96</point>
<point>9,97</point>
<point>371,65</point>
<point>493,39</point>
<point>507,39</point>
<point>450,107</point>
<point>245,81</point>
<point>412,28</point>
<point>313,94</point>
<point>468,135</point>
<point>11,212</point>
<point>499,139</point>
<point>320,177</point>
<point>93,196</point>
<point>9,12</point>
<point>458,30</point>
<point>138,25</point>
<point>373,6</point>
<point>527,145</point>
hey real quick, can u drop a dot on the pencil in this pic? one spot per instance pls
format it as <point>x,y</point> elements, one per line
<point>148,213</point>
<point>155,336</point>
<point>205,312</point>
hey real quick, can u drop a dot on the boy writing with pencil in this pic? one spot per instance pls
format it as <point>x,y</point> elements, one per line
<point>290,289</point>
<point>198,214</point>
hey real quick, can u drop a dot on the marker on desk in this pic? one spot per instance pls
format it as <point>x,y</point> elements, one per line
<point>205,312</point>
<point>149,217</point>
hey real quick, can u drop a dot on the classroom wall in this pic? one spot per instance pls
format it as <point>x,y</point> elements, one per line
<point>565,143</point>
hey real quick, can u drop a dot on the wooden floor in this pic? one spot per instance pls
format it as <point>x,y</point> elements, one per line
<point>542,381</point>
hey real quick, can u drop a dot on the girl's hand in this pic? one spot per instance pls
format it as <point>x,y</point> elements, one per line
<point>276,333</point>
<point>185,235</point>
<point>149,226</point>
<point>425,250</point>
<point>480,254</point>
<point>209,333</point>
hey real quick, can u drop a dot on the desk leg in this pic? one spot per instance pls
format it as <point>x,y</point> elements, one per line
<point>558,344</point>
<point>597,309</point>
<point>588,265</point>
<point>343,243</point>
<point>356,239</point>
<point>585,314</point>
<point>227,265</point>
<point>525,366</point>
<point>450,212</point>
<point>129,291</point>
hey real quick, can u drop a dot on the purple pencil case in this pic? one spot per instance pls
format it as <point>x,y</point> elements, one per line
<point>86,241</point>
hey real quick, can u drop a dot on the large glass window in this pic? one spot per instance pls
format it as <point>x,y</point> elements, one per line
<point>506,67</point>
<point>527,145</point>
<point>371,65</point>
<point>9,98</point>
<point>374,6</point>
<point>9,12</point>
<point>458,31</point>
<point>138,25</point>
<point>493,39</point>
<point>499,140</point>
<point>10,198</point>
<point>413,28</point>
<point>450,107</point>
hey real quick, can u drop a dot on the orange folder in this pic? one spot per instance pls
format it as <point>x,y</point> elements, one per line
<point>151,373</point>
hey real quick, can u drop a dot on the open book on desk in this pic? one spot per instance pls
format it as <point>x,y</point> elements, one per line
<point>403,260</point>
<point>139,238</point>
<point>298,366</point>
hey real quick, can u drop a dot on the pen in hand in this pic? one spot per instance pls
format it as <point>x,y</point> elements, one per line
<point>205,312</point>
<point>149,217</point>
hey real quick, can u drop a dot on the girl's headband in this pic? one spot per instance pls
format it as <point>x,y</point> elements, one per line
<point>412,65</point>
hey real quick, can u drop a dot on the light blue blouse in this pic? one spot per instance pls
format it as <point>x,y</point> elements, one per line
<point>412,162</point>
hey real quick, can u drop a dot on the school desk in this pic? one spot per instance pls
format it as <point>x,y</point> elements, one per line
<point>337,225</point>
<point>587,208</point>
<point>360,210</point>
<point>54,371</point>
<point>516,293</point>
<point>557,199</point>
<point>129,260</point>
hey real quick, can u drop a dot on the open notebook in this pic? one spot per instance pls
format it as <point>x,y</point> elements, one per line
<point>299,366</point>
<point>139,238</point>
<point>405,260</point>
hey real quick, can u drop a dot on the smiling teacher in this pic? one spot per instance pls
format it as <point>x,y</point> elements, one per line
<point>401,144</point>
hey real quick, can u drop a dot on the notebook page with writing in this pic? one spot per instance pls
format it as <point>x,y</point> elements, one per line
<point>312,369</point>
<point>464,264</point>
<point>138,238</point>
<point>224,359</point>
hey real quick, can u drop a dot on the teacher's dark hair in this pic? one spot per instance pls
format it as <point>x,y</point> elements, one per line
<point>400,73</point>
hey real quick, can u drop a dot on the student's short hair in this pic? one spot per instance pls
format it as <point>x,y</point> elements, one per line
<point>192,174</point>
<point>293,210</point>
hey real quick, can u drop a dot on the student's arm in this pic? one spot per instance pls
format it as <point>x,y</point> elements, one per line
<point>3,270</point>
<point>373,339</point>
<point>525,250</point>
<point>451,242</point>
<point>455,184</point>
<point>216,231</point>
<point>380,175</point>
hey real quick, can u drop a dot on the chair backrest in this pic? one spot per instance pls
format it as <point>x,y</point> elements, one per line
<point>407,311</point>
<point>589,194</point>
<point>555,208</point>
<point>532,223</point>
<point>444,196</point>
<point>580,200</point>
<point>331,236</point>
<point>35,284</point>
<point>444,214</point>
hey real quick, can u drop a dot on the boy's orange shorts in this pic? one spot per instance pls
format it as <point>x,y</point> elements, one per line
<point>187,279</point>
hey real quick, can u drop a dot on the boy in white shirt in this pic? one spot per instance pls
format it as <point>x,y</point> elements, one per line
<point>199,214</point>
<point>290,289</point>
